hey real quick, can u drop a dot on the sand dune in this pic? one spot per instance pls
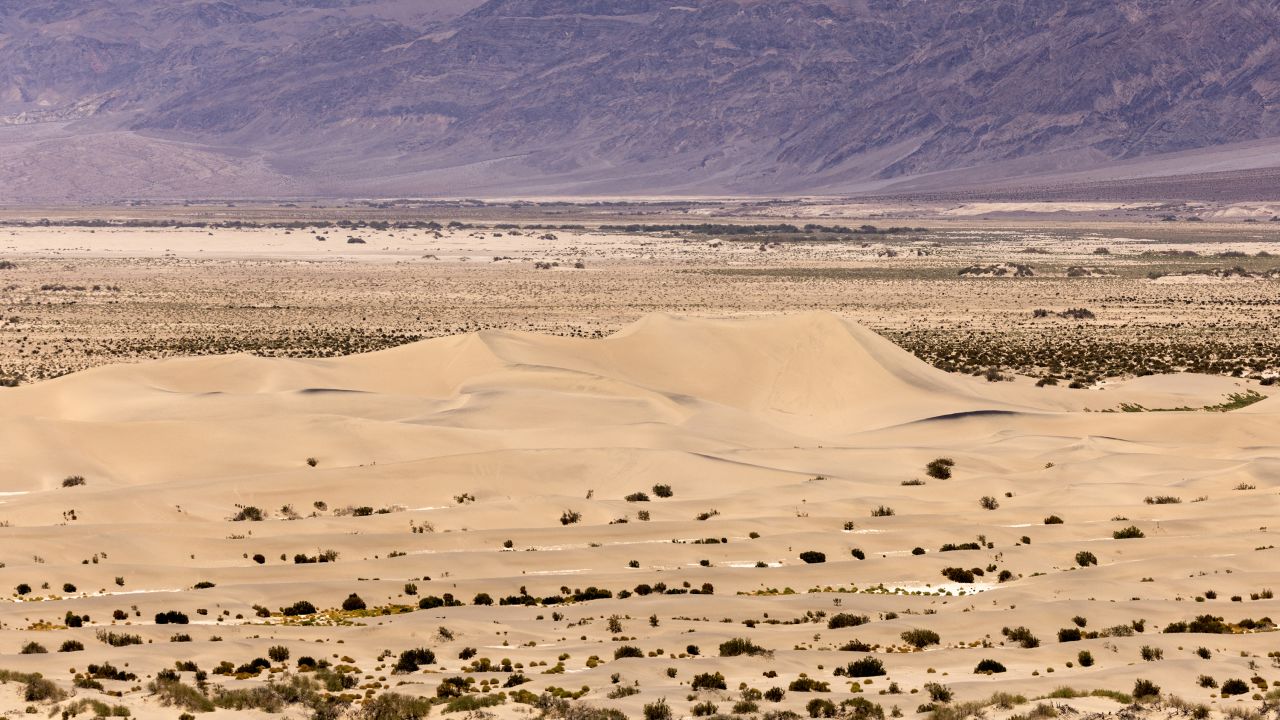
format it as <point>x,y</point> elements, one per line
<point>777,435</point>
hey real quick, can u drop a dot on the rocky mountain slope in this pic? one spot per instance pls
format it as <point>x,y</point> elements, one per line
<point>607,96</point>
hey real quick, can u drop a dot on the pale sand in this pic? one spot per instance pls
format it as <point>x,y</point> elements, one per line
<point>789,427</point>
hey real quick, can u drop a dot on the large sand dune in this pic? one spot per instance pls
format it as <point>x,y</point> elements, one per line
<point>777,435</point>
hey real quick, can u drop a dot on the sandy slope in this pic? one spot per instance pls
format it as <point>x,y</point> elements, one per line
<point>792,428</point>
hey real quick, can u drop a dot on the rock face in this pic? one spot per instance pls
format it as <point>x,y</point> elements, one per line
<point>638,95</point>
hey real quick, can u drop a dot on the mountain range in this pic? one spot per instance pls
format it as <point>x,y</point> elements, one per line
<point>293,98</point>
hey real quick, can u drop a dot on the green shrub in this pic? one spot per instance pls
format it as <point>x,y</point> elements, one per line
<point>813,557</point>
<point>353,602</point>
<point>248,513</point>
<point>988,667</point>
<point>411,660</point>
<point>302,607</point>
<point>1084,558</point>
<point>1022,636</point>
<point>820,708</point>
<point>844,620</point>
<point>940,469</point>
<point>708,681</point>
<point>740,646</point>
<point>658,710</point>
<point>808,684</point>
<point>33,648</point>
<point>863,667</point>
<point>920,638</point>
<point>663,491</point>
<point>1144,689</point>
<point>1128,533</point>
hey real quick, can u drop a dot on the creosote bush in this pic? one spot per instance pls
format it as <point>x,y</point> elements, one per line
<point>988,667</point>
<point>940,469</point>
<point>740,646</point>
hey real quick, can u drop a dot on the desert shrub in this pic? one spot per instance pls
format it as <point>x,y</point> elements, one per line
<point>920,638</point>
<point>708,681</point>
<point>1128,533</point>
<point>813,557</point>
<point>1053,520</point>
<point>353,602</point>
<point>663,491</point>
<point>637,497</point>
<point>302,607</point>
<point>855,646</point>
<point>989,503</point>
<point>774,694</point>
<point>411,660</point>
<point>570,517</point>
<point>1234,686</point>
<point>278,653</point>
<point>740,646</point>
<point>71,646</point>
<point>820,708</point>
<point>22,589</point>
<point>844,620</point>
<point>37,689</point>
<point>627,651</point>
<point>658,710</point>
<point>863,667</point>
<point>918,551</point>
<point>1084,558</point>
<point>173,693</point>
<point>858,554</point>
<point>393,706</point>
<point>1203,653</point>
<point>808,684</point>
<point>953,547</point>
<point>1022,636</point>
<point>118,639</point>
<point>1151,653</point>
<point>73,481</point>
<point>1085,658</point>
<point>940,468</point>
<point>1162,500</point>
<point>1069,635</point>
<point>958,575</point>
<point>883,511</point>
<point>107,671</point>
<point>988,667</point>
<point>248,513</point>
<point>172,617</point>
<point>473,703</point>
<point>1143,688</point>
<point>33,648</point>
<point>938,692</point>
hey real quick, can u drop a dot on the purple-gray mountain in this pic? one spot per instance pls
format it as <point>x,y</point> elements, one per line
<point>171,98</point>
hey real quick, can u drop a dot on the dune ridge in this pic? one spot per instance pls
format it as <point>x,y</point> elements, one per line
<point>776,435</point>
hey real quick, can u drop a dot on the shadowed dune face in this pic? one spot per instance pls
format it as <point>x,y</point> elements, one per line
<point>706,455</point>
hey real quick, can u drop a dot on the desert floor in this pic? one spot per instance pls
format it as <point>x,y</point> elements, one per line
<point>662,459</point>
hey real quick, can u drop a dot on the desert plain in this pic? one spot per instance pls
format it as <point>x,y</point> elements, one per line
<point>660,459</point>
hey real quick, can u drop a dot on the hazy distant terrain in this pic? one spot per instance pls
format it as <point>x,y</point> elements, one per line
<point>123,98</point>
